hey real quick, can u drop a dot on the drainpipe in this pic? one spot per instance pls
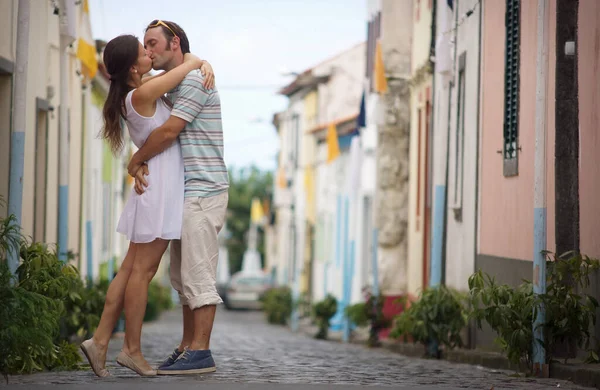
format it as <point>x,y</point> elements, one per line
<point>67,36</point>
<point>539,211</point>
<point>17,140</point>
<point>566,144</point>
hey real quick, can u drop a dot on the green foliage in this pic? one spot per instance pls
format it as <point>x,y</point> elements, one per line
<point>159,300</point>
<point>29,326</point>
<point>43,306</point>
<point>83,308</point>
<point>323,311</point>
<point>244,185</point>
<point>303,305</point>
<point>67,357</point>
<point>277,305</point>
<point>509,312</point>
<point>10,235</point>
<point>357,314</point>
<point>436,318</point>
<point>569,316</point>
<point>42,272</point>
<point>103,269</point>
<point>377,321</point>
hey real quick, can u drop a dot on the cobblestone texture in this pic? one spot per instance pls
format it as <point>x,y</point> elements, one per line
<point>247,350</point>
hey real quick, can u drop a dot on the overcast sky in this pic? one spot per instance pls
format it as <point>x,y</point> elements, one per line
<point>249,44</point>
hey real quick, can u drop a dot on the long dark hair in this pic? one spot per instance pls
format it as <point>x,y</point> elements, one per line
<point>120,54</point>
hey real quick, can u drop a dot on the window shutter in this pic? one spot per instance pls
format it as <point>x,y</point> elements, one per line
<point>511,87</point>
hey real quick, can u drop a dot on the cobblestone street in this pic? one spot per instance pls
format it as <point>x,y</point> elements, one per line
<point>253,355</point>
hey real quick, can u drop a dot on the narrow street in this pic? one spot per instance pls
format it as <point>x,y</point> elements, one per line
<point>253,355</point>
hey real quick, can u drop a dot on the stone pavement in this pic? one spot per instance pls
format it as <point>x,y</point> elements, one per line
<point>253,355</point>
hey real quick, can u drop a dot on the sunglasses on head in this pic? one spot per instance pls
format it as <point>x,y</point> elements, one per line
<point>161,23</point>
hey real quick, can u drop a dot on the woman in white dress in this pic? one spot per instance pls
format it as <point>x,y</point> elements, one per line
<point>148,220</point>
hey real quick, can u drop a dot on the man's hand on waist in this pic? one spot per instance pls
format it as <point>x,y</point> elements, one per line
<point>140,180</point>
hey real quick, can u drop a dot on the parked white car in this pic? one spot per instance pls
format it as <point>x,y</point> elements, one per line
<point>244,291</point>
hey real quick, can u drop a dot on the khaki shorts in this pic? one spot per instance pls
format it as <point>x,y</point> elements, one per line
<point>194,258</point>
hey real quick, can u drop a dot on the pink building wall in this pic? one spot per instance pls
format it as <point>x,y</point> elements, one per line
<point>506,213</point>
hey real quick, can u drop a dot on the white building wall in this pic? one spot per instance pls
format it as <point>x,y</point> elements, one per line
<point>95,188</point>
<point>85,149</point>
<point>462,182</point>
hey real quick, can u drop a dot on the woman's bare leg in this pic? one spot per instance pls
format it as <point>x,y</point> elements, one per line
<point>95,348</point>
<point>145,265</point>
<point>115,298</point>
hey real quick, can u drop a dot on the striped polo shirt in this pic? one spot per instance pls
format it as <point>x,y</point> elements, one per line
<point>202,137</point>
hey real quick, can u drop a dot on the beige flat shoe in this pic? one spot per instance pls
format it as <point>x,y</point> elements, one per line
<point>93,356</point>
<point>126,361</point>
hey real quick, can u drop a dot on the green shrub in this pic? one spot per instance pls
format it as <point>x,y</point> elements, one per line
<point>509,312</point>
<point>159,300</point>
<point>435,319</point>
<point>29,327</point>
<point>377,320</point>
<point>357,314</point>
<point>10,235</point>
<point>83,308</point>
<point>42,272</point>
<point>323,311</point>
<point>277,305</point>
<point>44,305</point>
<point>303,305</point>
<point>67,357</point>
<point>569,316</point>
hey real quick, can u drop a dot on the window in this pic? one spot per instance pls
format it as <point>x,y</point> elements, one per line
<point>459,140</point>
<point>294,139</point>
<point>511,88</point>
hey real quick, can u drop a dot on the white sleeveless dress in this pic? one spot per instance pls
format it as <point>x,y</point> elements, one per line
<point>158,212</point>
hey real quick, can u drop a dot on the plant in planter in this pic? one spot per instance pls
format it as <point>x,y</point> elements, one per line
<point>509,312</point>
<point>376,318</point>
<point>323,311</point>
<point>357,314</point>
<point>569,315</point>
<point>436,319</point>
<point>277,305</point>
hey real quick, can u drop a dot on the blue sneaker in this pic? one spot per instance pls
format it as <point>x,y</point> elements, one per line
<point>191,362</point>
<point>170,360</point>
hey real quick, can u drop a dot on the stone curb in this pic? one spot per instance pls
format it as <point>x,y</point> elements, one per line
<point>581,374</point>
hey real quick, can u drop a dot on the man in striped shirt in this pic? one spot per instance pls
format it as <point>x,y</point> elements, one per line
<point>196,119</point>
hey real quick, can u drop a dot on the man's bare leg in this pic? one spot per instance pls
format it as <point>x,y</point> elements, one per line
<point>204,318</point>
<point>188,328</point>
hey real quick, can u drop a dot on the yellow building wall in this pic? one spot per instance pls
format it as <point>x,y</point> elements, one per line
<point>307,160</point>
